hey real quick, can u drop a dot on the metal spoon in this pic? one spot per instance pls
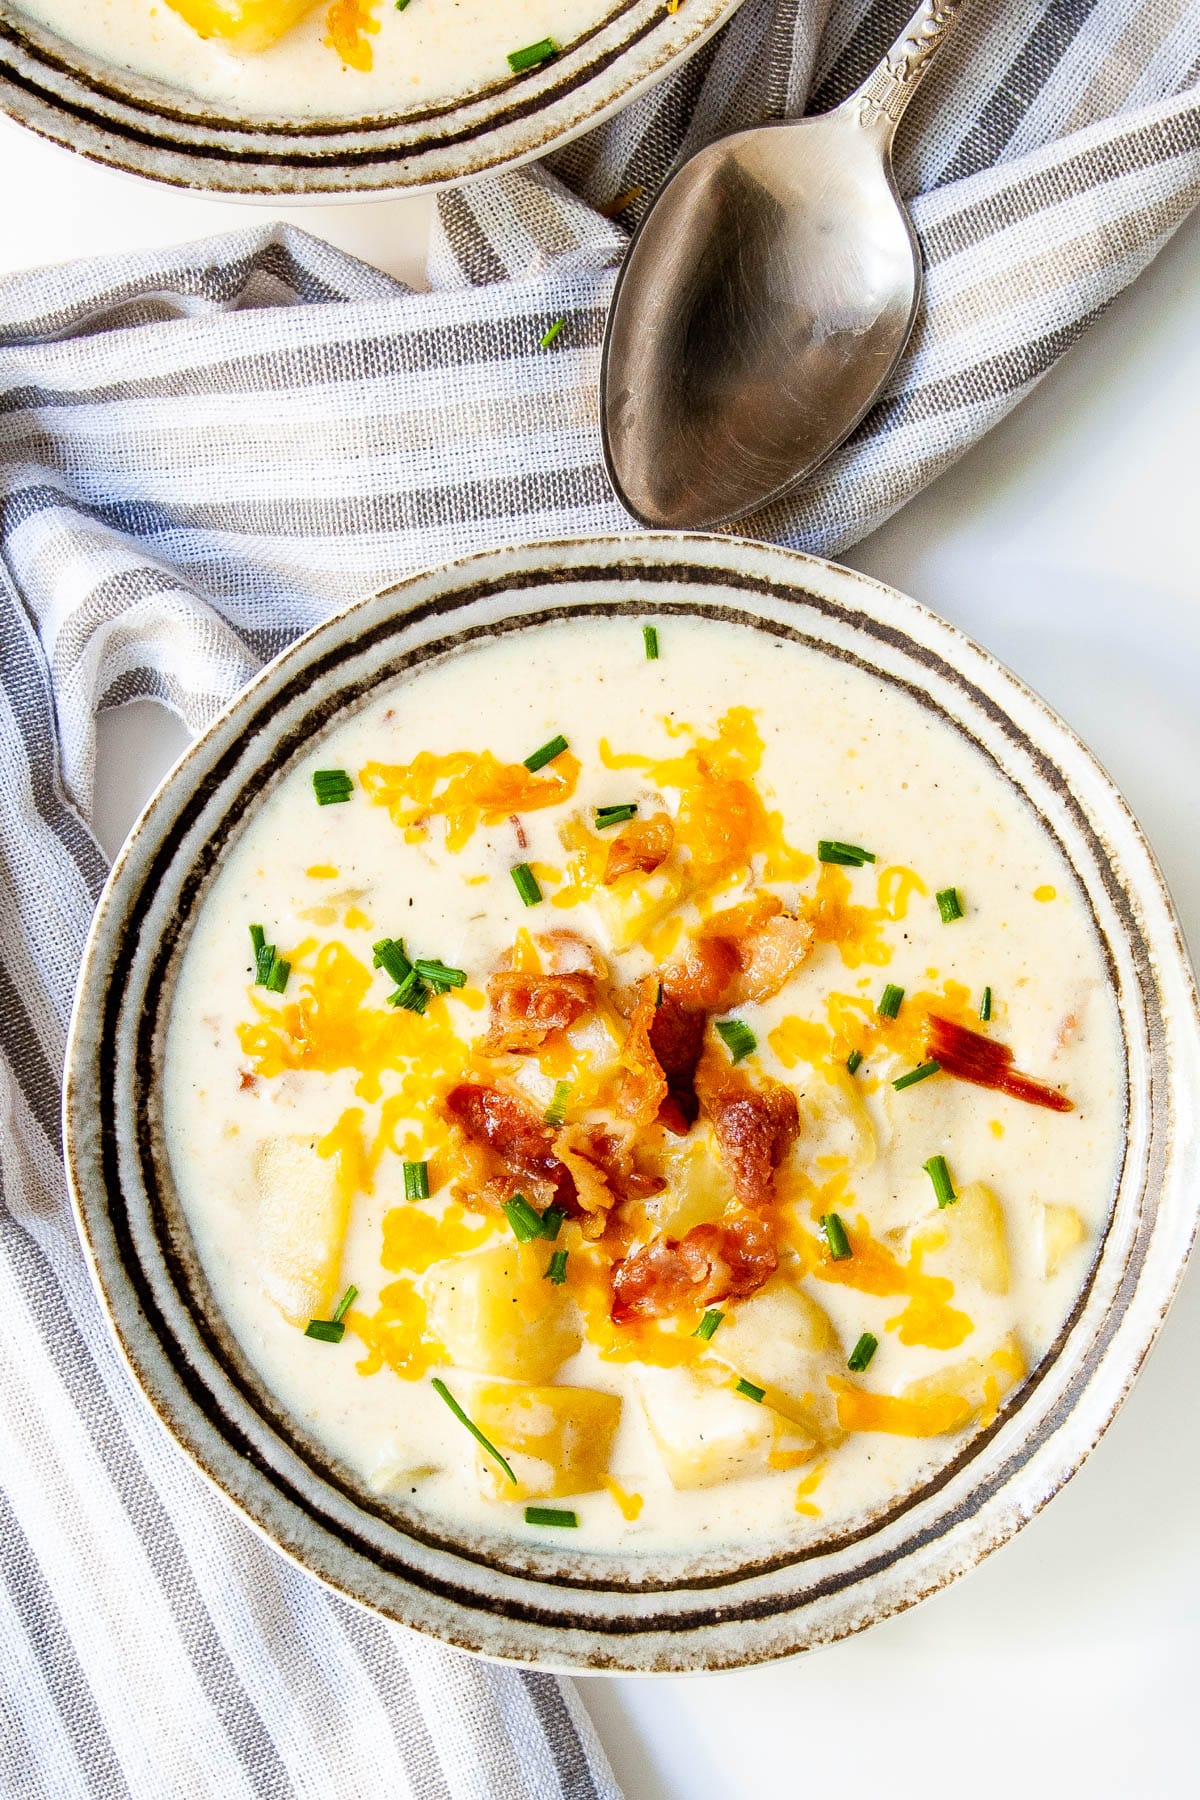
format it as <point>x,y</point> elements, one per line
<point>766,298</point>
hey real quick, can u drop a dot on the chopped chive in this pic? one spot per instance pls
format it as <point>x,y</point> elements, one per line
<point>915,1075</point>
<point>439,975</point>
<point>854,1061</point>
<point>532,55</point>
<point>835,1237</point>
<point>737,1037</point>
<point>391,957</point>
<point>614,815</point>
<point>412,994</point>
<point>550,1515</point>
<point>939,1174</point>
<point>862,1352</point>
<point>344,1304</point>
<point>650,639</point>
<point>949,905</point>
<point>545,342</point>
<point>525,1220</point>
<point>557,1269</point>
<point>556,1112</point>
<point>850,856</point>
<point>889,1002</point>
<point>527,884</point>
<point>751,1392</point>
<point>281,968</point>
<point>329,1331</point>
<point>440,1388</point>
<point>708,1324</point>
<point>400,5</point>
<point>331,786</point>
<point>554,747</point>
<point>416,1181</point>
<point>985,1005</point>
<point>552,1221</point>
<point>258,938</point>
<point>264,962</point>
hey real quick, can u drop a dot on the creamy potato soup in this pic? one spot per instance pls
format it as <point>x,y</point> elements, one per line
<point>322,58</point>
<point>659,1085</point>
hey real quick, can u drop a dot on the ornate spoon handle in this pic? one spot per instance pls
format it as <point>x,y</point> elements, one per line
<point>883,96</point>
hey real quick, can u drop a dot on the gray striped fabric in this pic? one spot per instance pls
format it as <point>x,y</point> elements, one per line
<point>203,452</point>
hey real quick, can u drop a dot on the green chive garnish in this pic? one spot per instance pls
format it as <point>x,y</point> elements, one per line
<point>532,55</point>
<point>850,856</point>
<point>854,1061</point>
<point>613,815</point>
<point>281,968</point>
<point>330,1331</point>
<point>553,748</point>
<point>939,1174</point>
<point>985,1005</point>
<point>835,1237</point>
<point>416,1181</point>
<point>550,1515</point>
<point>862,1352</point>
<point>737,1037</point>
<point>751,1392</point>
<point>525,1220</point>
<point>650,639</point>
<point>708,1324</point>
<point>557,1270</point>
<point>915,1075</point>
<point>331,786</point>
<point>258,938</point>
<point>439,975</point>
<point>552,1220</point>
<point>527,884</point>
<point>889,1003</point>
<point>545,342</point>
<point>949,905</point>
<point>400,5</point>
<point>390,956</point>
<point>412,994</point>
<point>344,1304</point>
<point>556,1112</point>
<point>440,1388</point>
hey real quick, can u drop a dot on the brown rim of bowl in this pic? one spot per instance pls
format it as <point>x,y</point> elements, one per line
<point>144,128</point>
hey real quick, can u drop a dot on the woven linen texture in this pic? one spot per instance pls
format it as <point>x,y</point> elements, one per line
<point>204,452</point>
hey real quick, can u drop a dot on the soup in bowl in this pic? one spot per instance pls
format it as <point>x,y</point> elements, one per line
<point>644,1086</point>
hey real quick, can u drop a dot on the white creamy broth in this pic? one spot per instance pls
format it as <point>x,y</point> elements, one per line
<point>435,50</point>
<point>962,1300</point>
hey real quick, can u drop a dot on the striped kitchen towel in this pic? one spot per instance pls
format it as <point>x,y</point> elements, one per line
<point>203,452</point>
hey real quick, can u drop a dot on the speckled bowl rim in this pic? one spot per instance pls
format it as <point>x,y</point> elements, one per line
<point>570,1609</point>
<point>144,128</point>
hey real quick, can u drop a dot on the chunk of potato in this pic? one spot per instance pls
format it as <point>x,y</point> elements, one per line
<point>707,1433</point>
<point>557,1439</point>
<point>635,904</point>
<point>781,1340</point>
<point>243,24</point>
<point>1062,1229</point>
<point>966,1240</point>
<point>302,1218</point>
<point>495,1312</point>
<point>981,1382</point>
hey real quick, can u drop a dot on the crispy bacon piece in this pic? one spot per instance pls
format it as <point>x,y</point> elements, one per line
<point>677,1039</point>
<point>513,1149</point>
<point>640,848</point>
<point>604,1167</point>
<point>746,953</point>
<point>727,1260</point>
<point>644,1088</point>
<point>973,1057</point>
<point>526,1008</point>
<point>567,953</point>
<point>755,1127</point>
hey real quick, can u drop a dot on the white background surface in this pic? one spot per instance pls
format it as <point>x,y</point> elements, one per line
<point>1069,1663</point>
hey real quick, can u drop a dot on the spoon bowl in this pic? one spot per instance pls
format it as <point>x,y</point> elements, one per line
<point>766,298</point>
